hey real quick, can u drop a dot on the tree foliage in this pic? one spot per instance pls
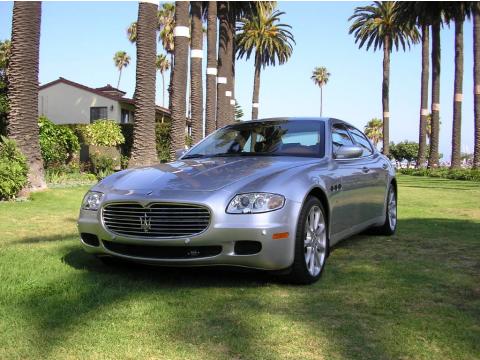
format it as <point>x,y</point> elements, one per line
<point>13,169</point>
<point>58,144</point>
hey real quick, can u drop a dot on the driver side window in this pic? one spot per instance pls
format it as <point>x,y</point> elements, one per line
<point>340,137</point>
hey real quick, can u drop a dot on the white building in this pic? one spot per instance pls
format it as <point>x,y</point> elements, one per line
<point>67,102</point>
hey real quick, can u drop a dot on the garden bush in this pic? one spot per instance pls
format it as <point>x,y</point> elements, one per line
<point>58,143</point>
<point>445,173</point>
<point>13,169</point>
<point>103,133</point>
<point>103,164</point>
<point>162,135</point>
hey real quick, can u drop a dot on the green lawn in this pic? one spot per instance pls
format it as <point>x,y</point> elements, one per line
<point>412,296</point>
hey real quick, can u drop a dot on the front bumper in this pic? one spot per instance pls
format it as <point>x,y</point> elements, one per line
<point>224,231</point>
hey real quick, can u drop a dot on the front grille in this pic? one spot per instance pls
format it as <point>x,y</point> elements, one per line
<point>157,220</point>
<point>163,252</point>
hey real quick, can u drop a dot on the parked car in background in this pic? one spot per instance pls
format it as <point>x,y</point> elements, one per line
<point>273,194</point>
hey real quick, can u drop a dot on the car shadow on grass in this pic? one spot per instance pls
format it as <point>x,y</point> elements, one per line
<point>377,299</point>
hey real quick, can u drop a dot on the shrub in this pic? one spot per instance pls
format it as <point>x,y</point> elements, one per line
<point>58,143</point>
<point>103,133</point>
<point>103,165</point>
<point>13,169</point>
<point>127,131</point>
<point>162,136</point>
<point>446,173</point>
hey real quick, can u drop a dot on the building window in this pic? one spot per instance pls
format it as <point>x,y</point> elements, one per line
<point>98,113</point>
<point>126,117</point>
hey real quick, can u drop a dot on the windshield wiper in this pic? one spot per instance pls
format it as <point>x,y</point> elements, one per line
<point>194,156</point>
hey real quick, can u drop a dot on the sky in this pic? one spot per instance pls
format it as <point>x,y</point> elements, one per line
<point>79,39</point>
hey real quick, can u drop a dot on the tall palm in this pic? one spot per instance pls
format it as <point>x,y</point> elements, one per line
<point>179,81</point>
<point>121,60</point>
<point>457,11</point>
<point>377,25</point>
<point>476,83</point>
<point>373,130</point>
<point>196,88</point>
<point>211,80</point>
<point>143,148</point>
<point>270,41</point>
<point>23,87</point>
<point>166,25</point>
<point>428,13</point>
<point>162,64</point>
<point>228,13</point>
<point>132,32</point>
<point>320,77</point>
<point>422,133</point>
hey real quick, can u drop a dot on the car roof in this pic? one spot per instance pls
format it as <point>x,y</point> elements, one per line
<point>303,118</point>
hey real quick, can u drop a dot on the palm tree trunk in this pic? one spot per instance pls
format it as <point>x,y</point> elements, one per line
<point>321,101</point>
<point>434,137</point>
<point>231,75</point>
<point>163,89</point>
<point>211,81</point>
<point>23,87</point>
<point>476,84</point>
<point>457,96</point>
<point>196,54</point>
<point>385,89</point>
<point>119,77</point>
<point>180,73</point>
<point>422,137</point>
<point>256,87</point>
<point>143,148</point>
<point>224,92</point>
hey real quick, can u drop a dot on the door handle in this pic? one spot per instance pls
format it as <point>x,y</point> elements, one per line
<point>365,169</point>
<point>385,166</point>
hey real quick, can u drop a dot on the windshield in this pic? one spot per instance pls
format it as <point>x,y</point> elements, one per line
<point>269,138</point>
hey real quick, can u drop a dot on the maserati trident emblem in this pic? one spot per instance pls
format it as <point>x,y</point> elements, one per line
<point>145,223</point>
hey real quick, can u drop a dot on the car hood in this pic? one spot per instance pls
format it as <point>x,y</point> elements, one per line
<point>199,174</point>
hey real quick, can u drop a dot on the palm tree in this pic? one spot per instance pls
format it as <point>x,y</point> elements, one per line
<point>121,60</point>
<point>225,64</point>
<point>422,134</point>
<point>457,11</point>
<point>162,64</point>
<point>196,55</point>
<point>476,83</point>
<point>132,32</point>
<point>378,25</point>
<point>269,40</point>
<point>228,13</point>
<point>23,87</point>
<point>320,77</point>
<point>179,81</point>
<point>211,81</point>
<point>166,25</point>
<point>143,148</point>
<point>373,130</point>
<point>428,13</point>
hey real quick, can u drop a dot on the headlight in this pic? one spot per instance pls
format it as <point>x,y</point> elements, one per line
<point>255,203</point>
<point>92,200</point>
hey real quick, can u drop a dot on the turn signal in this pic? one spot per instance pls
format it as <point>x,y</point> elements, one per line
<point>279,236</point>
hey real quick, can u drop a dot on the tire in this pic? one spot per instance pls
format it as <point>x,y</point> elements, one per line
<point>390,225</point>
<point>308,268</point>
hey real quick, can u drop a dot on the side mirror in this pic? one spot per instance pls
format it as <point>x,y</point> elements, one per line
<point>348,152</point>
<point>179,153</point>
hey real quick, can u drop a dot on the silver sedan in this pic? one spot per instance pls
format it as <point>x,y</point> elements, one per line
<point>271,194</point>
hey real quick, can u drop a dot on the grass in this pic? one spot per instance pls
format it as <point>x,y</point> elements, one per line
<point>415,295</point>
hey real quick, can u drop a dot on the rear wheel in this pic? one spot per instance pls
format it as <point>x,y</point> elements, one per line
<point>311,243</point>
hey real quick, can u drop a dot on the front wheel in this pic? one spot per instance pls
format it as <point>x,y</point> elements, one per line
<point>311,243</point>
<point>390,224</point>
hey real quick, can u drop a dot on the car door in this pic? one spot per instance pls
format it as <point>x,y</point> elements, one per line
<point>371,178</point>
<point>345,187</point>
